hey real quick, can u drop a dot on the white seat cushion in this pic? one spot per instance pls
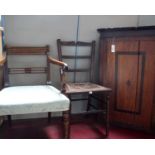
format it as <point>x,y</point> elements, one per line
<point>32,99</point>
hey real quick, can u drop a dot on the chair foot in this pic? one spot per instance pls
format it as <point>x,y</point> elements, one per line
<point>66,122</point>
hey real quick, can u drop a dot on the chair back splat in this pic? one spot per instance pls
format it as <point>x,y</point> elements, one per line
<point>29,68</point>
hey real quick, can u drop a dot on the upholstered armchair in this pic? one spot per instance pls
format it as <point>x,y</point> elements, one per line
<point>27,99</point>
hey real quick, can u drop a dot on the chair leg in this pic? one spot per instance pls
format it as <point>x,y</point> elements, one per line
<point>107,116</point>
<point>9,120</point>
<point>49,117</point>
<point>1,120</point>
<point>66,121</point>
<point>89,101</point>
<point>70,108</point>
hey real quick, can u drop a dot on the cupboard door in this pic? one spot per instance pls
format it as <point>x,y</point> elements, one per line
<point>143,119</point>
<point>124,74</point>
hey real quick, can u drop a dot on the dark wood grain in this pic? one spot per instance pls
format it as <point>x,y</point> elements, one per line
<point>129,78</point>
<point>149,84</point>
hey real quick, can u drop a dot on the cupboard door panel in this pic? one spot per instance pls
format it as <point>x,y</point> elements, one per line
<point>127,95</point>
<point>144,118</point>
<point>121,76</point>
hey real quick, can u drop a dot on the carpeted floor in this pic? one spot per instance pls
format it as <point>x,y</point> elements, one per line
<point>41,129</point>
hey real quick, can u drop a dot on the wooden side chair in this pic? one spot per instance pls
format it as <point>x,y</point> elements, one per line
<point>88,88</point>
<point>36,98</point>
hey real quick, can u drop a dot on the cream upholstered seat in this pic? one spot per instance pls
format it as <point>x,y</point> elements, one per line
<point>32,98</point>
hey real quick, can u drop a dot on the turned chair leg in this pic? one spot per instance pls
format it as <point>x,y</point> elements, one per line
<point>49,117</point>
<point>66,121</point>
<point>107,116</point>
<point>89,102</point>
<point>9,120</point>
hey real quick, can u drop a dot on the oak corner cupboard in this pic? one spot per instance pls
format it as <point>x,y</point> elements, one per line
<point>127,65</point>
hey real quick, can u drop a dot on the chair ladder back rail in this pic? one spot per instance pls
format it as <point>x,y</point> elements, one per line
<point>81,43</point>
<point>61,56</point>
<point>93,44</point>
<point>66,43</point>
<point>79,70</point>
<point>73,43</point>
<point>77,57</point>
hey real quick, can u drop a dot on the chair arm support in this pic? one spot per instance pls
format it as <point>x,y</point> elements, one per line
<point>62,71</point>
<point>57,62</point>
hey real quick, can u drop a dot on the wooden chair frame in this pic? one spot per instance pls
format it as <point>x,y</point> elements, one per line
<point>90,92</point>
<point>34,70</point>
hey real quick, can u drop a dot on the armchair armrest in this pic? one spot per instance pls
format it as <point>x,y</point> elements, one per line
<point>57,62</point>
<point>2,59</point>
<point>62,71</point>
